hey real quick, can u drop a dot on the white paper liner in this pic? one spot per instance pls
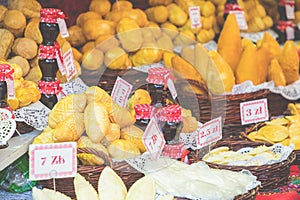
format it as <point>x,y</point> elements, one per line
<point>278,149</point>
<point>36,114</point>
<point>166,169</point>
<point>254,37</point>
<point>74,87</point>
<point>290,92</point>
<point>190,139</point>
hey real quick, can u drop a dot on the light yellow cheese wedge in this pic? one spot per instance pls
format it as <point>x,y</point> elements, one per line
<point>83,189</point>
<point>142,189</point>
<point>111,186</point>
<point>47,194</point>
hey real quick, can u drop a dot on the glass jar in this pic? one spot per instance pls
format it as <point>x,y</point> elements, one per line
<point>142,115</point>
<point>157,85</point>
<point>49,91</point>
<point>170,122</point>
<point>48,62</point>
<point>231,5</point>
<point>281,30</point>
<point>48,25</point>
<point>4,68</point>
<point>3,94</point>
<point>283,15</point>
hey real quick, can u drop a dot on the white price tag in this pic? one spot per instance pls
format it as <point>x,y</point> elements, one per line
<point>55,160</point>
<point>121,92</point>
<point>69,64</point>
<point>240,18</point>
<point>209,132</point>
<point>254,111</point>
<point>63,28</point>
<point>172,88</point>
<point>290,9</point>
<point>195,17</point>
<point>59,60</point>
<point>10,88</point>
<point>290,33</point>
<point>153,140</point>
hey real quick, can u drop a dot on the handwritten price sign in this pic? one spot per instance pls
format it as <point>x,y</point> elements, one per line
<point>240,18</point>
<point>153,140</point>
<point>56,160</point>
<point>195,17</point>
<point>209,132</point>
<point>121,91</point>
<point>70,68</point>
<point>290,9</point>
<point>254,111</point>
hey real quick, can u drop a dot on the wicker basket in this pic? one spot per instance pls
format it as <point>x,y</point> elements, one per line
<point>245,133</point>
<point>250,195</point>
<point>128,174</point>
<point>230,110</point>
<point>271,176</point>
<point>278,104</point>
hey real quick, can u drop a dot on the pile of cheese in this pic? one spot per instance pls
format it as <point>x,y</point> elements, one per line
<point>284,130</point>
<point>253,157</point>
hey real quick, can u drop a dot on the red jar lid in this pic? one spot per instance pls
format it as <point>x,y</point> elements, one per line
<point>47,52</point>
<point>286,2</point>
<point>50,15</point>
<point>171,113</point>
<point>142,111</point>
<point>158,75</point>
<point>6,72</point>
<point>174,151</point>
<point>50,87</point>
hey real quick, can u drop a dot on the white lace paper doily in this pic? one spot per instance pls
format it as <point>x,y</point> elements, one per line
<point>190,139</point>
<point>290,92</point>
<point>278,149</point>
<point>36,114</point>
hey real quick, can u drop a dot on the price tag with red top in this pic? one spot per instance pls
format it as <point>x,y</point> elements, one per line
<point>63,29</point>
<point>195,17</point>
<point>240,18</point>
<point>209,133</point>
<point>290,33</point>
<point>55,160</point>
<point>290,9</point>
<point>70,67</point>
<point>121,92</point>
<point>254,111</point>
<point>153,140</point>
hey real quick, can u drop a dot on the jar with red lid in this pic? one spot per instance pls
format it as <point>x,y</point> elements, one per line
<point>142,115</point>
<point>4,69</point>
<point>285,27</point>
<point>157,85</point>
<point>48,62</point>
<point>48,24</point>
<point>170,122</point>
<point>49,91</point>
<point>231,5</point>
<point>48,85</point>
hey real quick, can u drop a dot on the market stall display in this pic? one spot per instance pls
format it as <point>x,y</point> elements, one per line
<point>157,100</point>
